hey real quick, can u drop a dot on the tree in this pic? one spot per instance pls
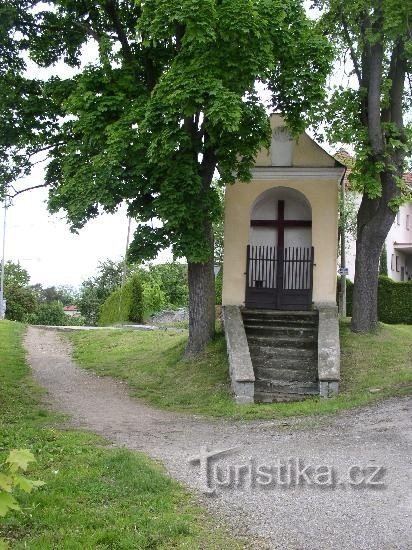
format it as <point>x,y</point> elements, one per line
<point>171,97</point>
<point>20,299</point>
<point>370,116</point>
<point>172,280</point>
<point>14,274</point>
<point>95,290</point>
<point>65,294</point>
<point>20,302</point>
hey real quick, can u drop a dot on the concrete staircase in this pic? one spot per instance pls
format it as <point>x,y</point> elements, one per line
<point>283,348</point>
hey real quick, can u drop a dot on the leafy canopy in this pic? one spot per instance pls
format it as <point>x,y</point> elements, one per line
<point>370,112</point>
<point>171,97</point>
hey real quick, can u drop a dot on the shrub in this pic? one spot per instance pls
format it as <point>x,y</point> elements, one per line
<point>51,314</point>
<point>134,301</point>
<point>20,301</point>
<point>172,280</point>
<point>394,300</point>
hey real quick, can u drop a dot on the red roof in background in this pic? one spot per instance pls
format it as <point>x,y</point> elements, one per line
<point>70,307</point>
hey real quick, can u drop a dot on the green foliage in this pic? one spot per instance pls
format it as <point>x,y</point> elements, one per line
<point>359,30</point>
<point>133,302</point>
<point>95,290</point>
<point>15,275</point>
<point>123,304</point>
<point>64,294</point>
<point>12,479</point>
<point>51,314</point>
<point>21,301</point>
<point>172,280</point>
<point>171,97</point>
<point>394,301</point>
<point>154,299</point>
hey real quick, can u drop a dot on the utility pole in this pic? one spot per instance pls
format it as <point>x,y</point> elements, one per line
<point>3,261</point>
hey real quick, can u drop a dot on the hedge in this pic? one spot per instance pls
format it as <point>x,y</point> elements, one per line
<point>394,300</point>
<point>133,302</point>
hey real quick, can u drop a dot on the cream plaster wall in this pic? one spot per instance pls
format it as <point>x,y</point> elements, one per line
<point>290,163</point>
<point>322,195</point>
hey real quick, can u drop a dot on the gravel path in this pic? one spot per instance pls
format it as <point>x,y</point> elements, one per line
<point>288,516</point>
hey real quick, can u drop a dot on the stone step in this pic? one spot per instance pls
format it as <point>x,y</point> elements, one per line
<point>307,316</point>
<point>282,353</point>
<point>275,397</point>
<point>308,367</point>
<point>275,331</point>
<point>286,387</point>
<point>275,322</point>
<point>291,342</point>
<point>290,375</point>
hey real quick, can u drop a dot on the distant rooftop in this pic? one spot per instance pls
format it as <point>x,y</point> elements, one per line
<point>70,307</point>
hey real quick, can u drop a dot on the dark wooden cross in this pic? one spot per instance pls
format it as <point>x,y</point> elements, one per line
<point>281,224</point>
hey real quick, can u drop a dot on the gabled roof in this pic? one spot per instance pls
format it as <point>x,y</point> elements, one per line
<point>286,151</point>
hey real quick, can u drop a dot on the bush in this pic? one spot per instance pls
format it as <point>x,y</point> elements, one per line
<point>133,302</point>
<point>394,300</point>
<point>172,280</point>
<point>51,314</point>
<point>20,302</point>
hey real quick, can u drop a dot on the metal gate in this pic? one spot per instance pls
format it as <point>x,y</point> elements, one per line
<point>279,278</point>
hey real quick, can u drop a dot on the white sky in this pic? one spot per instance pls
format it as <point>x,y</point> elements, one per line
<point>43,243</point>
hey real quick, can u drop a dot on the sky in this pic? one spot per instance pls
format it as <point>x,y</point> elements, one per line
<point>43,244</point>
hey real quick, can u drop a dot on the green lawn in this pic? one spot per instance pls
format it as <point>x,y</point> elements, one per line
<point>373,367</point>
<point>95,496</point>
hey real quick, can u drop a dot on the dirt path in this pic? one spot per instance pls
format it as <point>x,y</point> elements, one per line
<point>289,516</point>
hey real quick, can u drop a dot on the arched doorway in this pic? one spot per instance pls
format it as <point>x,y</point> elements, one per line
<point>280,254</point>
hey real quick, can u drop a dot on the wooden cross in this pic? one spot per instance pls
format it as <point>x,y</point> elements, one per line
<point>281,224</point>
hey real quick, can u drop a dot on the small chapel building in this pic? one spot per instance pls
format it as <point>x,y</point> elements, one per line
<point>280,250</point>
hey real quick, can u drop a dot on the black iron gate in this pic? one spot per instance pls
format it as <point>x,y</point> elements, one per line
<point>279,278</point>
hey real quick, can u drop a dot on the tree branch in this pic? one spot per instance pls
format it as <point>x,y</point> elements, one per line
<point>111,9</point>
<point>397,75</point>
<point>28,189</point>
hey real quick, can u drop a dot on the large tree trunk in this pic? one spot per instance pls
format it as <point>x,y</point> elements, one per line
<point>201,276</point>
<point>201,306</point>
<point>375,218</point>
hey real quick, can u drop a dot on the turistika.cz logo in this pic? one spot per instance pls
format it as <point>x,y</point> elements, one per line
<point>279,473</point>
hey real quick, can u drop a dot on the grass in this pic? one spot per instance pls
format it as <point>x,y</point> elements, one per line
<point>374,366</point>
<point>95,496</point>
